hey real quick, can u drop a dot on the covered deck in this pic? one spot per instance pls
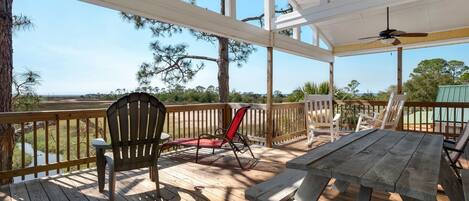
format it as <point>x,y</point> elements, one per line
<point>215,177</point>
<point>61,159</point>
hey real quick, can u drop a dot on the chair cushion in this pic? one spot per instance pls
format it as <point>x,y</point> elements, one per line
<point>205,143</point>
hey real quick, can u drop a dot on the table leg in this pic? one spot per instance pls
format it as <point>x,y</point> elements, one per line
<point>311,187</point>
<point>340,186</point>
<point>449,181</point>
<point>364,194</point>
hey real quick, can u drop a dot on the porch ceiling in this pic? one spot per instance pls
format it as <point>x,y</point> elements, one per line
<point>352,19</point>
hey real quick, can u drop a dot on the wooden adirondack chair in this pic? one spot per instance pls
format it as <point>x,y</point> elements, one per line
<point>386,119</point>
<point>454,149</point>
<point>319,117</point>
<point>135,124</point>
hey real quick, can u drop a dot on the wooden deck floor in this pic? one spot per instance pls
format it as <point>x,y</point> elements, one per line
<point>216,177</point>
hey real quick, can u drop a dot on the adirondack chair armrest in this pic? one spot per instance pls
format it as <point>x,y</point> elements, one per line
<point>99,143</point>
<point>336,117</point>
<point>366,116</point>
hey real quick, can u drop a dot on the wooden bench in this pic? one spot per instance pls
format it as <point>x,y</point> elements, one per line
<point>465,183</point>
<point>281,187</point>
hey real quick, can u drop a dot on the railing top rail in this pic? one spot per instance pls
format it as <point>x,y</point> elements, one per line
<point>408,104</point>
<point>260,106</point>
<point>20,117</point>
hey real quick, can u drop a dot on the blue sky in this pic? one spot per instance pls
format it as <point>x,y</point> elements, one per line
<point>80,48</point>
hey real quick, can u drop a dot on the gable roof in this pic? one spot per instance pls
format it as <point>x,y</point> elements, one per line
<point>452,94</point>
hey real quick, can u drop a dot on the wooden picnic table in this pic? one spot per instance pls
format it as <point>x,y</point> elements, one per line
<point>407,163</point>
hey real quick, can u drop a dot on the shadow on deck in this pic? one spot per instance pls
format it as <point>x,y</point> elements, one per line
<point>215,177</point>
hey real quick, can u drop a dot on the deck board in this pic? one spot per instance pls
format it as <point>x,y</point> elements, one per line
<point>215,177</point>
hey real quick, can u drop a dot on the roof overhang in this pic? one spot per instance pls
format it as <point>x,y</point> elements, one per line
<point>342,22</point>
<point>187,15</point>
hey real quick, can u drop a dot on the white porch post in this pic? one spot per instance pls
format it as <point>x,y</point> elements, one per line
<point>230,8</point>
<point>269,6</point>
<point>297,33</point>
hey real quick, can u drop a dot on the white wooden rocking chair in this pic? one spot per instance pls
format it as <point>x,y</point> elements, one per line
<point>319,117</point>
<point>386,119</point>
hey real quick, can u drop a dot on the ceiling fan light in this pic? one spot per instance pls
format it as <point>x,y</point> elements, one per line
<point>388,41</point>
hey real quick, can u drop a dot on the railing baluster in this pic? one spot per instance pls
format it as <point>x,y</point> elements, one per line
<point>88,140</point>
<point>441,120</point>
<point>105,128</point>
<point>447,123</point>
<point>23,152</point>
<point>193,124</point>
<point>462,120</point>
<point>173,114</point>
<point>35,145</point>
<point>78,141</point>
<point>426,119</point>
<point>46,133</point>
<point>96,128</point>
<point>167,124</point>
<point>454,122</point>
<point>184,124</point>
<point>57,143</point>
<point>433,121</point>
<point>68,143</point>
<point>179,124</point>
<point>415,120</point>
<point>211,120</point>
<point>420,123</point>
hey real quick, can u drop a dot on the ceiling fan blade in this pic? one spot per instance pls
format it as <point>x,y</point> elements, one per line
<point>373,41</point>
<point>412,35</point>
<point>396,42</point>
<point>397,33</point>
<point>371,37</point>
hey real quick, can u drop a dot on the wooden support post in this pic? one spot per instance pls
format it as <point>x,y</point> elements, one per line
<point>270,123</point>
<point>399,70</point>
<point>331,78</point>
<point>269,13</point>
<point>399,83</point>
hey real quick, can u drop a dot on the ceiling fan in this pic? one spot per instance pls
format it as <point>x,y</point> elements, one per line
<point>391,36</point>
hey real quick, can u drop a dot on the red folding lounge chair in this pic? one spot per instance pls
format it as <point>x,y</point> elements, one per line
<point>220,138</point>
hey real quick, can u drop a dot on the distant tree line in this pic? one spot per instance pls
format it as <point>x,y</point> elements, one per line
<point>422,85</point>
<point>179,94</point>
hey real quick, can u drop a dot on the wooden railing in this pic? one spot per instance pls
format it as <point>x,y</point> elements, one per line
<point>53,142</point>
<point>429,117</point>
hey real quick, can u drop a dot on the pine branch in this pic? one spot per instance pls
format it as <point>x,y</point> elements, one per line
<point>261,16</point>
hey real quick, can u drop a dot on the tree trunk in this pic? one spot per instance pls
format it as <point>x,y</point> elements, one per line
<point>6,68</point>
<point>223,70</point>
<point>223,64</point>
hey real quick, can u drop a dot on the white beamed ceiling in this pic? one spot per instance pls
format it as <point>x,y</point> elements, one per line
<point>419,16</point>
